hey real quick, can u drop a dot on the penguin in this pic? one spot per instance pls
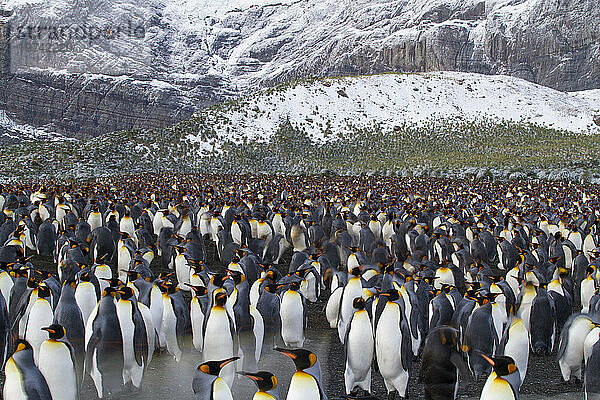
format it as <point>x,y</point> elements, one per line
<point>504,381</point>
<point>175,324</point>
<point>266,383</point>
<point>306,381</point>
<point>269,305</point>
<point>198,309</point>
<point>69,316</point>
<point>441,362</point>
<point>480,337</point>
<point>542,323</point>
<point>104,346</point>
<point>570,350</point>
<point>86,295</point>
<point>40,315</point>
<point>23,378</point>
<point>359,347</point>
<point>352,290</point>
<point>293,316</point>
<point>515,344</point>
<point>591,380</point>
<point>57,364</point>
<point>134,337</point>
<point>219,336</point>
<point>392,345</point>
<point>208,385</point>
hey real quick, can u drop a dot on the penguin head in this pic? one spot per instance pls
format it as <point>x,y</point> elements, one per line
<point>125,293</point>
<point>238,276</point>
<point>503,365</point>
<point>198,290</point>
<point>43,291</point>
<point>22,345</point>
<point>214,367</point>
<point>359,303</point>
<point>390,294</point>
<point>113,282</point>
<point>356,271</point>
<point>264,380</point>
<point>294,285</point>
<point>55,331</point>
<point>272,287</point>
<point>221,299</point>
<point>303,359</point>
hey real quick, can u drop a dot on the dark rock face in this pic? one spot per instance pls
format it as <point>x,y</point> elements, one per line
<point>555,43</point>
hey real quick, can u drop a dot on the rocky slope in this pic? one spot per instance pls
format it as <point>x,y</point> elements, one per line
<point>196,52</point>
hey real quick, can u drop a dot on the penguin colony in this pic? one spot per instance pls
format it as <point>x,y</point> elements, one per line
<point>470,277</point>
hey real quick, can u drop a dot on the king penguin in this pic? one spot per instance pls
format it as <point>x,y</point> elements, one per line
<point>504,381</point>
<point>23,378</point>
<point>359,346</point>
<point>293,316</point>
<point>267,384</point>
<point>207,384</point>
<point>57,364</point>
<point>219,336</point>
<point>306,381</point>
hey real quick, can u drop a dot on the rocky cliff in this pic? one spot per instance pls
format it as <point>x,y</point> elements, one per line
<point>191,53</point>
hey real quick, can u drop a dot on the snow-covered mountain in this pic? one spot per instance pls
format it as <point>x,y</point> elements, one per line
<point>204,51</point>
<point>329,108</point>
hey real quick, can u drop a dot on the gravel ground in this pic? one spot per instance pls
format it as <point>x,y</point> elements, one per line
<point>165,378</point>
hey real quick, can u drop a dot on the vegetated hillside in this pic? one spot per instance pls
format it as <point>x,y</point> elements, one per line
<point>412,124</point>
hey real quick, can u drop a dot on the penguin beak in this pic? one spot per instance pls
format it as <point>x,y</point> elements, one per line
<point>488,359</point>
<point>288,353</point>
<point>254,377</point>
<point>49,330</point>
<point>227,361</point>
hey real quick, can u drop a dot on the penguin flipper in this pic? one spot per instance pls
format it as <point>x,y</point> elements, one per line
<point>140,339</point>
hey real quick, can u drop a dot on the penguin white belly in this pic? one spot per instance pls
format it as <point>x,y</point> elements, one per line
<point>186,227</point>
<point>496,388</point>
<point>359,350</point>
<point>588,287</point>
<point>254,291</point>
<point>517,346</point>
<point>236,233</point>
<point>102,271</point>
<point>303,387</point>
<point>182,271</point>
<point>352,290</point>
<point>14,388</point>
<point>124,258</point>
<point>197,318</point>
<point>572,359</point>
<point>500,257</point>
<point>156,308</point>
<point>23,321</point>
<point>259,332</point>
<point>333,307</point>
<point>168,328</point>
<point>40,316</point>
<point>590,341</point>
<point>218,342</point>
<point>388,345</point>
<point>132,372</point>
<point>85,296</point>
<point>308,287</point>
<point>150,330</point>
<point>444,276</point>
<point>205,228</point>
<point>56,365</point>
<point>220,390</point>
<point>386,233</point>
<point>499,318</point>
<point>95,220</point>
<point>127,225</point>
<point>375,227</point>
<point>292,319</point>
<point>352,262</point>
<point>6,284</point>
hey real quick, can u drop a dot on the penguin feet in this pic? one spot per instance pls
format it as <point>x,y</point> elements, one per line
<point>392,395</point>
